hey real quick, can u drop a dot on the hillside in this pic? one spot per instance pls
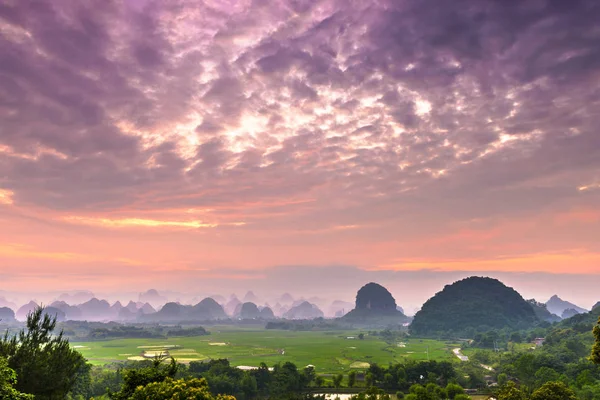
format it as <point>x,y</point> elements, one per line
<point>542,312</point>
<point>474,303</point>
<point>576,331</point>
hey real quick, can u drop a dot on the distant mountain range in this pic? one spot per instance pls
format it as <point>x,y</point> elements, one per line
<point>473,303</point>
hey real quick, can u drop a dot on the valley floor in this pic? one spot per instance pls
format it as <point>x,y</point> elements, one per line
<point>329,351</point>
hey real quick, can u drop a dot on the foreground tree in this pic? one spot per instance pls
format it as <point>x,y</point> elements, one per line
<point>45,364</point>
<point>351,378</point>
<point>453,390</point>
<point>192,389</point>
<point>596,349</point>
<point>337,380</point>
<point>8,378</point>
<point>510,391</point>
<point>554,391</point>
<point>135,378</point>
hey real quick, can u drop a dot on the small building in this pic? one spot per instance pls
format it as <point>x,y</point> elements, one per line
<point>539,341</point>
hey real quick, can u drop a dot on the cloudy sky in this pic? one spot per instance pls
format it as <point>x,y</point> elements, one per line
<point>220,144</point>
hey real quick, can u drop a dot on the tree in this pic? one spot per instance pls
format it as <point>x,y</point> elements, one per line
<point>361,336</point>
<point>462,396</point>
<point>453,390</point>
<point>419,392</point>
<point>510,392</point>
<point>351,378</point>
<point>193,389</point>
<point>337,380</point>
<point>554,391</point>
<point>596,349</point>
<point>319,381</point>
<point>368,379</point>
<point>502,379</point>
<point>45,364</point>
<point>516,337</point>
<point>544,375</point>
<point>249,385</point>
<point>8,378</point>
<point>134,378</point>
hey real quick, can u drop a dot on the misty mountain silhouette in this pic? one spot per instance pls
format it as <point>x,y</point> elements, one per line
<point>375,305</point>
<point>304,310</point>
<point>558,306</point>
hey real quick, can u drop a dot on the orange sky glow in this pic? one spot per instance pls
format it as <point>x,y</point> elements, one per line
<point>204,146</point>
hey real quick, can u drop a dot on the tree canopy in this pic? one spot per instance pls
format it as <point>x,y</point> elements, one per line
<point>554,391</point>
<point>45,364</point>
<point>134,378</point>
<point>8,378</point>
<point>181,389</point>
<point>596,349</point>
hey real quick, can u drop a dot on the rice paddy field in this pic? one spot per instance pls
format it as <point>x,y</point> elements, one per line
<point>329,352</point>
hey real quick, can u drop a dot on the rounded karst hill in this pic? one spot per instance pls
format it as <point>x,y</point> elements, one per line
<point>374,302</point>
<point>7,314</point>
<point>208,309</point>
<point>267,313</point>
<point>249,310</point>
<point>375,297</point>
<point>473,303</point>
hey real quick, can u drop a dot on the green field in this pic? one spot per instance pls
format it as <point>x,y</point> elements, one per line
<point>327,351</point>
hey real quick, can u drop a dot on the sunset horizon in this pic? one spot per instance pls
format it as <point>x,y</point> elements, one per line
<point>216,147</point>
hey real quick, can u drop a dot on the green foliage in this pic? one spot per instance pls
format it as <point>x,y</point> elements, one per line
<point>8,378</point>
<point>401,376</point>
<point>46,365</point>
<point>473,303</point>
<point>371,393</point>
<point>351,378</point>
<point>595,357</point>
<point>510,391</point>
<point>193,389</point>
<point>419,392</point>
<point>134,378</point>
<point>462,397</point>
<point>317,324</point>
<point>545,375</point>
<point>122,331</point>
<point>453,390</point>
<point>337,380</point>
<point>553,391</point>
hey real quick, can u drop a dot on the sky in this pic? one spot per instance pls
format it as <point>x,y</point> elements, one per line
<point>308,146</point>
